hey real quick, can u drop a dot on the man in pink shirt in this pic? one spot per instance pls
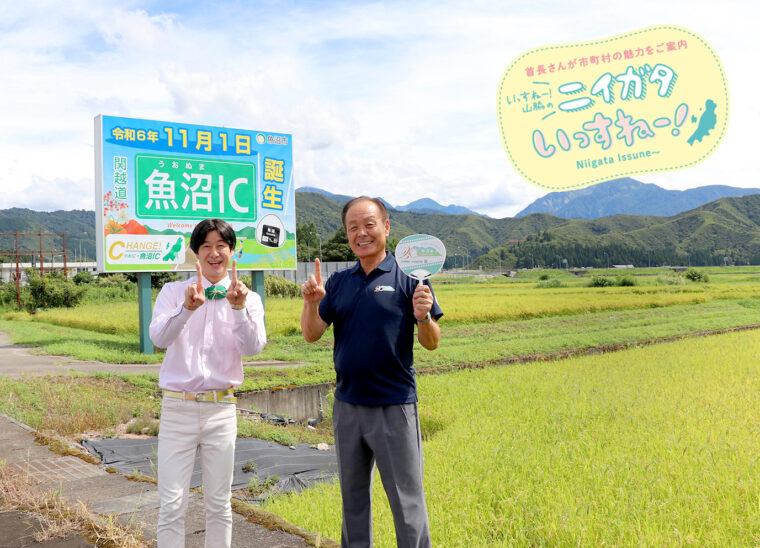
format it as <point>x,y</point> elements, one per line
<point>206,324</point>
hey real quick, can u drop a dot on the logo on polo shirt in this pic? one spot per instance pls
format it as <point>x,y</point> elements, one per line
<point>383,288</point>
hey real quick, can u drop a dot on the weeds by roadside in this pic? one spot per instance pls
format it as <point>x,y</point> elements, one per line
<point>64,447</point>
<point>257,486</point>
<point>273,522</point>
<point>59,518</point>
<point>75,404</point>
<point>291,434</point>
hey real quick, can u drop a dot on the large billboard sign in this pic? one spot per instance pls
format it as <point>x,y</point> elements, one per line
<point>154,181</point>
<point>652,100</point>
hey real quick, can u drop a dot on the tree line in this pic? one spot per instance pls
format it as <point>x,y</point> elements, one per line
<point>536,251</point>
<point>554,254</point>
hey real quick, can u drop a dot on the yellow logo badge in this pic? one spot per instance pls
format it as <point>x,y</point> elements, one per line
<point>652,100</point>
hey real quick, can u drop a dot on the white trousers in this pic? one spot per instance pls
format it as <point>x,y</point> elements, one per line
<point>188,427</point>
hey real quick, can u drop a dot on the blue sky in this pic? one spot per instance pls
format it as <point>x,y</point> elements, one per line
<point>395,99</point>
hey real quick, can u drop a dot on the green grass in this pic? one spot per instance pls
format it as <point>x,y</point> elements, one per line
<point>121,318</point>
<point>81,344</point>
<point>484,343</point>
<point>115,318</point>
<point>461,343</point>
<point>475,301</point>
<point>652,446</point>
<point>70,405</point>
<point>264,378</point>
<point>538,274</point>
<point>489,343</point>
<point>470,304</point>
<point>656,446</point>
<point>284,435</point>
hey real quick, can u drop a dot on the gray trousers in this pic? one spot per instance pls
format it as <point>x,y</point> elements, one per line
<point>389,436</point>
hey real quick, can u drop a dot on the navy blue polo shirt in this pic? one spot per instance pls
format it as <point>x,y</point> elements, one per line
<point>373,319</point>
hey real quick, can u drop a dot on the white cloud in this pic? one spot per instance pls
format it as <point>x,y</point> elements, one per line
<point>59,193</point>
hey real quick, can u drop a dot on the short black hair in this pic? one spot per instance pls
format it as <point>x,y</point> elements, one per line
<point>377,201</point>
<point>202,229</point>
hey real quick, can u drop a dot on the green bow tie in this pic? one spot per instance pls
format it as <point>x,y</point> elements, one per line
<point>216,292</point>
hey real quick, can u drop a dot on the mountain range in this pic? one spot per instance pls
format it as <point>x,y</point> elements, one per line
<point>724,230</point>
<point>423,205</point>
<point>77,224</point>
<point>631,197</point>
<point>617,197</point>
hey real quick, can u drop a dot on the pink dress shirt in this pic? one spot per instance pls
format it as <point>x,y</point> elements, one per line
<point>204,347</point>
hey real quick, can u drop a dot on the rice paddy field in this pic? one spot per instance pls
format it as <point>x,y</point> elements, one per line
<point>653,446</point>
<point>467,301</point>
<point>553,414</point>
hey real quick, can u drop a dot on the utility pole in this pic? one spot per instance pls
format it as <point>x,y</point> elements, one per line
<point>42,261</point>
<point>18,275</point>
<point>65,270</point>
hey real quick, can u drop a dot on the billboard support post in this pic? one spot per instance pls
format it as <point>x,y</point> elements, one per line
<point>145,306</point>
<point>257,283</point>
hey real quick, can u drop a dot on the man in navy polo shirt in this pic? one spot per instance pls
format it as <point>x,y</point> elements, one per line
<point>374,307</point>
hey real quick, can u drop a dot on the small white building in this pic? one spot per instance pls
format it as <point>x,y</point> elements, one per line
<point>8,270</point>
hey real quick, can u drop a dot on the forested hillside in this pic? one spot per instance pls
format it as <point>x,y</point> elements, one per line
<point>723,231</point>
<point>629,196</point>
<point>78,225</point>
<point>726,231</point>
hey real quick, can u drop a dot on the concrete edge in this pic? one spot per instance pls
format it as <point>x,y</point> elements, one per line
<point>18,423</point>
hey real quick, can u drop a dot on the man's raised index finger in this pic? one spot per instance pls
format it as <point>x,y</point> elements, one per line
<point>318,271</point>
<point>200,276</point>
<point>233,278</point>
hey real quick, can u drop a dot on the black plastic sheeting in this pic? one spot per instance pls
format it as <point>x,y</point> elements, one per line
<point>297,468</point>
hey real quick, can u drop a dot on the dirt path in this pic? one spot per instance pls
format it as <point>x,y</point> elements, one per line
<point>17,361</point>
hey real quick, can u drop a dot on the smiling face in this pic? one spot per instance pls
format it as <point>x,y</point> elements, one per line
<point>214,255</point>
<point>367,231</point>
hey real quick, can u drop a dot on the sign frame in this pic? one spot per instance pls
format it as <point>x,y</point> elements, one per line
<point>193,172</point>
